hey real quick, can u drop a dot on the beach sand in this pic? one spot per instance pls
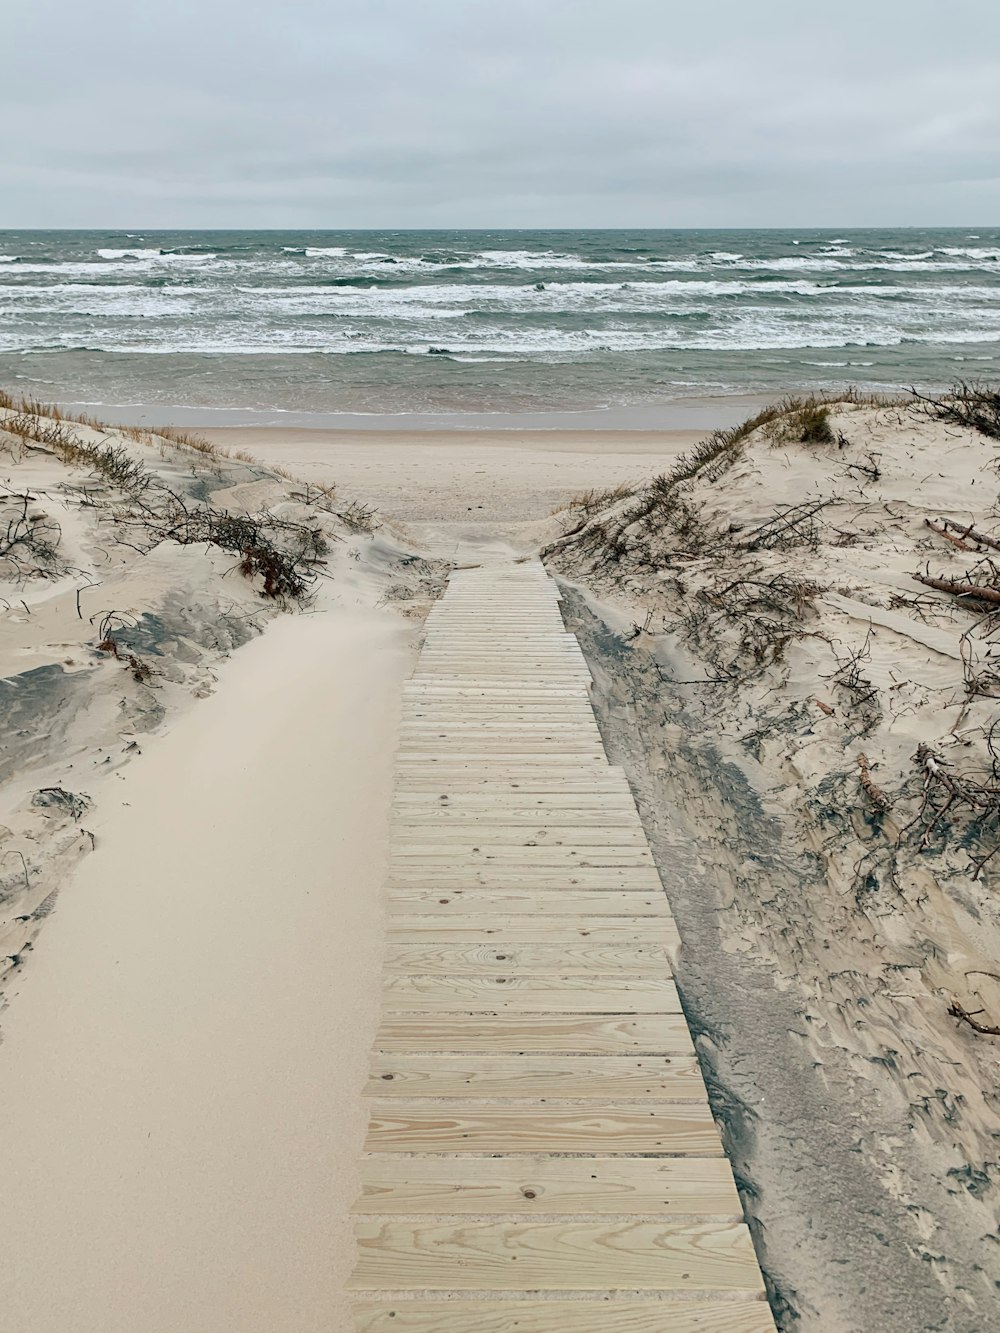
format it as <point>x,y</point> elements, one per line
<point>448,485</point>
<point>179,1101</point>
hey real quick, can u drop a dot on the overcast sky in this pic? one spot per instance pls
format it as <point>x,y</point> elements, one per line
<point>500,113</point>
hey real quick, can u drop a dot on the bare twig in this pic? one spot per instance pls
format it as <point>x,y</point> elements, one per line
<point>985,1029</point>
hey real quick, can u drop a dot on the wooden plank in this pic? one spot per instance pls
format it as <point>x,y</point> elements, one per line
<point>565,1034</point>
<point>523,828</point>
<point>430,812</point>
<point>666,1186</point>
<point>609,853</point>
<point>547,729</point>
<point>549,931</point>
<point>504,879</point>
<point>558,712</point>
<point>559,903</point>
<point>512,765</point>
<point>496,793</point>
<point>661,1077</point>
<point>556,1256</point>
<point>456,826</point>
<point>562,714</point>
<point>530,995</point>
<point>458,1127</point>
<point>602,795</point>
<point>520,868</point>
<point>502,957</point>
<point>562,1316</point>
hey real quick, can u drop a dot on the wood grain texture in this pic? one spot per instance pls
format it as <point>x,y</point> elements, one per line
<point>555,1256</point>
<point>547,931</point>
<point>663,1077</point>
<point>510,993</point>
<point>524,959</point>
<point>397,1126</point>
<point>433,831</point>
<point>562,1316</point>
<point>541,1185</point>
<point>518,866</point>
<point>566,1034</point>
<point>558,902</point>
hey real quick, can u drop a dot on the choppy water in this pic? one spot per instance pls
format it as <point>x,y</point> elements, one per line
<point>489,321</point>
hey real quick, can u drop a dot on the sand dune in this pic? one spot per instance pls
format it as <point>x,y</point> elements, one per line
<point>792,704</point>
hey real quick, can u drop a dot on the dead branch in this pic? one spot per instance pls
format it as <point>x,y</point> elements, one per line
<point>971,534</point>
<point>959,790</point>
<point>984,1029</point>
<point>870,469</point>
<point>791,525</point>
<point>958,588</point>
<point>637,630</point>
<point>941,531</point>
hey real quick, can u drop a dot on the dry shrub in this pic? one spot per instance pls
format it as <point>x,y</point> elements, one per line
<point>593,501</point>
<point>976,406</point>
<point>360,517</point>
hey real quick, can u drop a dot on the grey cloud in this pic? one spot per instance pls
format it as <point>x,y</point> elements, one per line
<point>499,112</point>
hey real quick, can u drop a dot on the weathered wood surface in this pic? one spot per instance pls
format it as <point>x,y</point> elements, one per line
<point>551,932</point>
<point>526,959</point>
<point>463,1128</point>
<point>543,1185</point>
<point>530,995</point>
<point>605,1255</point>
<point>660,1077</point>
<point>538,1123</point>
<point>563,1316</point>
<point>568,1034</point>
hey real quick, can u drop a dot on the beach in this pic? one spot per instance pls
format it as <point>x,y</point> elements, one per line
<point>500,669</point>
<point>197,798</point>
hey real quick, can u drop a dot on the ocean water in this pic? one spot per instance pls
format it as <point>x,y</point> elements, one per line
<point>511,321</point>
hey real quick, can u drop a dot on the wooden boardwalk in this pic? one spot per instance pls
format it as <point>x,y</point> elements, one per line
<point>541,1157</point>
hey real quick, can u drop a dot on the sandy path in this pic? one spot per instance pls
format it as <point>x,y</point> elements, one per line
<point>180,1104</point>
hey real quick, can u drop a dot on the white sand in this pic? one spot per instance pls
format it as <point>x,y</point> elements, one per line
<point>461,484</point>
<point>179,1105</point>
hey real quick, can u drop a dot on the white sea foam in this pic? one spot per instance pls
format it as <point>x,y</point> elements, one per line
<point>991,254</point>
<point>129,254</point>
<point>319,251</point>
<point>156,256</point>
<point>757,330</point>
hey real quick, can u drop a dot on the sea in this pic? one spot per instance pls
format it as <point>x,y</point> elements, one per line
<point>312,326</point>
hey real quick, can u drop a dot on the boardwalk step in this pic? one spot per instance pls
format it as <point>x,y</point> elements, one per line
<point>558,1256</point>
<point>560,1316</point>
